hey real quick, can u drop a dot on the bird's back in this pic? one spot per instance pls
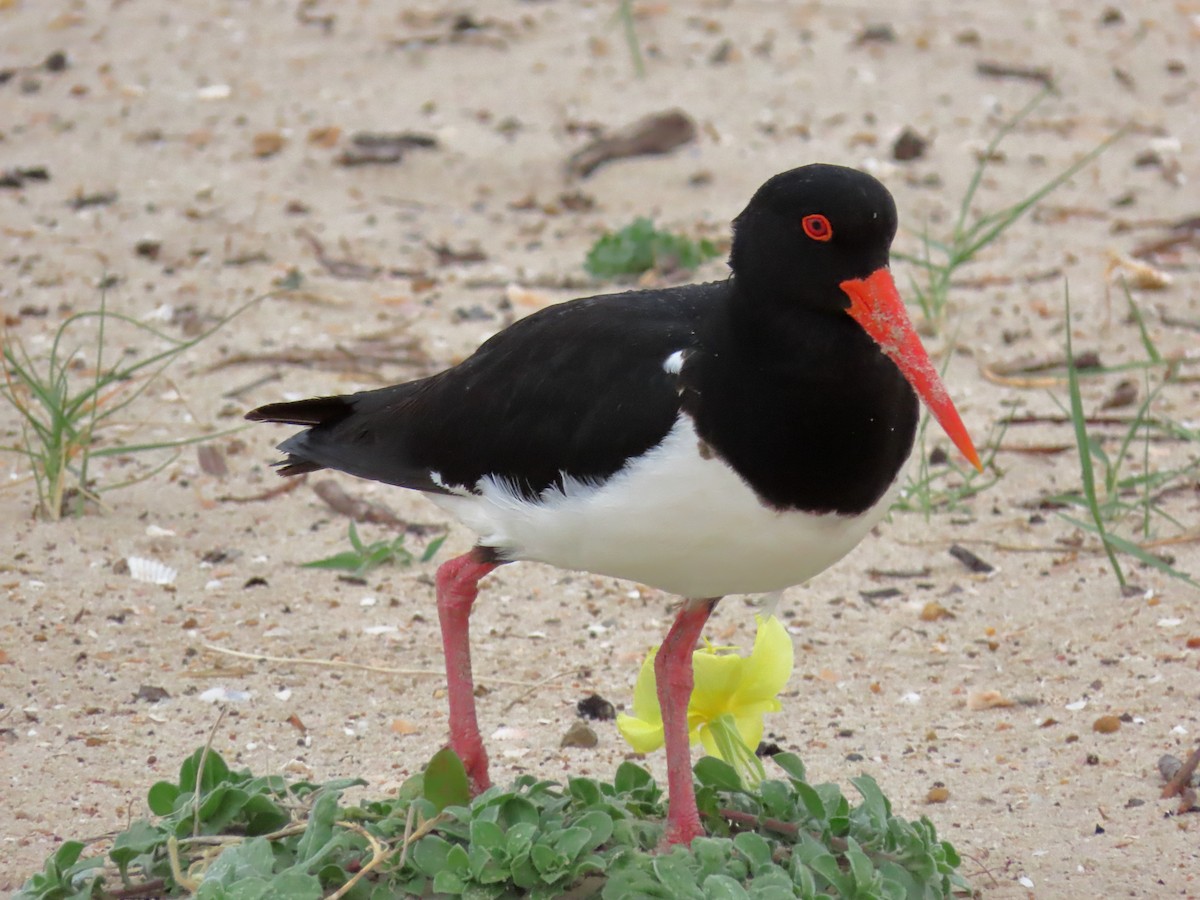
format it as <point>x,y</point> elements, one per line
<point>577,389</point>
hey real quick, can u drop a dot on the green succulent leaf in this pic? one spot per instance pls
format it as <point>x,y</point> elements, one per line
<point>534,839</point>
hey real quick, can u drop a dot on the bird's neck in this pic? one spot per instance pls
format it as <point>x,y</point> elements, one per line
<point>803,405</point>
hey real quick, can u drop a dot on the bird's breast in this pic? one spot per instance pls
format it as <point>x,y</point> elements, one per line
<point>677,518</point>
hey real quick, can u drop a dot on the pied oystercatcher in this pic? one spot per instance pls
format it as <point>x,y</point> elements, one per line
<point>731,437</point>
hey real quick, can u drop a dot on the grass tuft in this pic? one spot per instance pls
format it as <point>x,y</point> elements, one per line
<point>64,411</point>
<point>941,482</point>
<point>362,558</point>
<point>1116,497</point>
<point>640,247</point>
<point>940,259</point>
<point>948,485</point>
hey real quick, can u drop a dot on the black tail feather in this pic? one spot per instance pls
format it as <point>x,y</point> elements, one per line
<point>293,465</point>
<point>317,411</point>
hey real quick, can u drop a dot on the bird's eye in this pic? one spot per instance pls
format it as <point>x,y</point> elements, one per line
<point>817,227</point>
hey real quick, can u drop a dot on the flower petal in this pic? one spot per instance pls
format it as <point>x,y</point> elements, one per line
<point>645,692</point>
<point>769,665</point>
<point>643,736</point>
<point>750,727</point>
<point>717,679</point>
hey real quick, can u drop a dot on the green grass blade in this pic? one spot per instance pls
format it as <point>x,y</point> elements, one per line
<point>988,228</point>
<point>355,541</point>
<point>1083,443</point>
<point>1131,549</point>
<point>119,449</point>
<point>1136,314</point>
<point>433,547</point>
<point>629,27</point>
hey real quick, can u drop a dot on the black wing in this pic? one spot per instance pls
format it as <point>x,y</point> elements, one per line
<point>575,389</point>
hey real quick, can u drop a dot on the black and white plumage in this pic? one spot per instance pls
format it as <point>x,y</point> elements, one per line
<point>732,437</point>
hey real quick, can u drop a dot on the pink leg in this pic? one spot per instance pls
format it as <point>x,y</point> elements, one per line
<point>457,587</point>
<point>673,672</point>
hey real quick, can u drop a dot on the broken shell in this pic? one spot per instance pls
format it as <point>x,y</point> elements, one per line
<point>980,700</point>
<point>1135,273</point>
<point>150,571</point>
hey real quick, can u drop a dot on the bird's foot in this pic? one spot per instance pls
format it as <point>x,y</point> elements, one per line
<point>479,780</point>
<point>475,761</point>
<point>680,832</point>
<point>678,837</point>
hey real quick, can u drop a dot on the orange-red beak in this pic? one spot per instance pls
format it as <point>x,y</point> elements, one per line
<point>875,304</point>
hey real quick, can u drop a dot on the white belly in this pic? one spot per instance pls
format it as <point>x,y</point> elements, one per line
<point>671,519</point>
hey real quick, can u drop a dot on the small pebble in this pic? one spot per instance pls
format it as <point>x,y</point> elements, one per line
<point>579,734</point>
<point>932,611</point>
<point>938,794</point>
<point>909,146</point>
<point>267,143</point>
<point>1106,725</point>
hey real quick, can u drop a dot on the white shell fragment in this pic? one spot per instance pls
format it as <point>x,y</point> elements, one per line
<point>150,571</point>
<point>214,92</point>
<point>225,695</point>
<point>380,629</point>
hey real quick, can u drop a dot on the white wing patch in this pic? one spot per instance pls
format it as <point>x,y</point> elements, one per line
<point>673,364</point>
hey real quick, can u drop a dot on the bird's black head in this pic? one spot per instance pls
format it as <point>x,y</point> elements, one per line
<point>806,231</point>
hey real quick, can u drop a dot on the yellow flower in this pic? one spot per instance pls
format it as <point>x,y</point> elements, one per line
<point>730,696</point>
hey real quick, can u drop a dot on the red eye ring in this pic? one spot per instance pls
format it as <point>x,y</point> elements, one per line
<point>817,227</point>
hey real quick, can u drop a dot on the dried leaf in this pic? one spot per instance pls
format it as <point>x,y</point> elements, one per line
<point>653,134</point>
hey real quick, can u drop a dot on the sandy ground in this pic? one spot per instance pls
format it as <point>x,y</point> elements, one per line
<point>215,129</point>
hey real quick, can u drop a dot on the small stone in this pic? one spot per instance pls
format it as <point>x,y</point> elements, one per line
<point>909,146</point>
<point>267,143</point>
<point>580,734</point>
<point>932,611</point>
<point>1106,725</point>
<point>877,33</point>
<point>325,136</point>
<point>148,248</point>
<point>938,794</point>
<point>150,693</point>
<point>724,53</point>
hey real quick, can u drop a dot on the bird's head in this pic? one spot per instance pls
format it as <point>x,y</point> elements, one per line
<point>819,236</point>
